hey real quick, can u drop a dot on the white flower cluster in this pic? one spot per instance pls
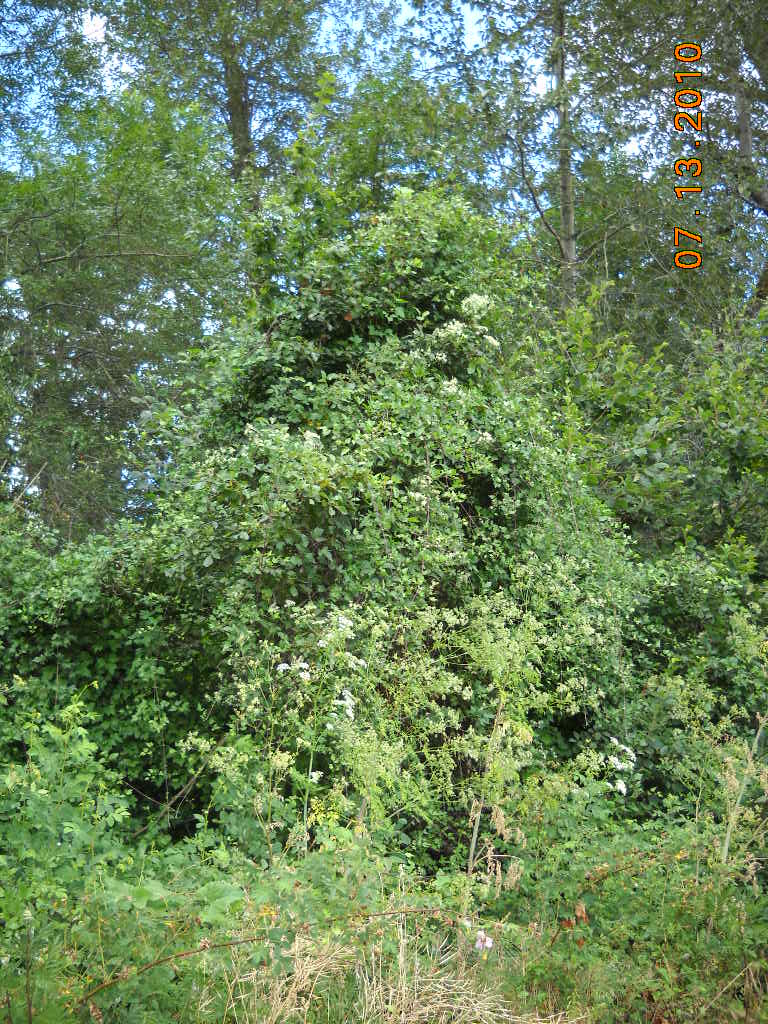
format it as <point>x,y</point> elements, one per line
<point>354,662</point>
<point>476,305</point>
<point>302,667</point>
<point>627,750</point>
<point>621,765</point>
<point>450,387</point>
<point>347,701</point>
<point>342,628</point>
<point>453,329</point>
<point>311,439</point>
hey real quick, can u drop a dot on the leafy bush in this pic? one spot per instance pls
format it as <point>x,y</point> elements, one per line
<point>403,617</point>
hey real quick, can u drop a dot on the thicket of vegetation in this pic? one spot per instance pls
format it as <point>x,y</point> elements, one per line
<point>384,548</point>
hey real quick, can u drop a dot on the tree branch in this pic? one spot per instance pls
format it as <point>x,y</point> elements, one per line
<point>47,261</point>
<point>535,198</point>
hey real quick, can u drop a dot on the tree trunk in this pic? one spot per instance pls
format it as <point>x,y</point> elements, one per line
<point>238,111</point>
<point>749,186</point>
<point>567,215</point>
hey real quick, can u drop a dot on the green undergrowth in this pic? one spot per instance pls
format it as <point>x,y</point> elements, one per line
<point>585,917</point>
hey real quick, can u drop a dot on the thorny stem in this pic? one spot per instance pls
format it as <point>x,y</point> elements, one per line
<point>205,946</point>
<point>475,831</point>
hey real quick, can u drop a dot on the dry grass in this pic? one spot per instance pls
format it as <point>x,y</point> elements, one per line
<point>336,983</point>
<point>258,997</point>
<point>437,988</point>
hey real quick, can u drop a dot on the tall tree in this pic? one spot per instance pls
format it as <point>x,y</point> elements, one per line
<point>255,64</point>
<point>567,235</point>
<point>637,72</point>
<point>611,93</point>
<point>114,255</point>
<point>527,43</point>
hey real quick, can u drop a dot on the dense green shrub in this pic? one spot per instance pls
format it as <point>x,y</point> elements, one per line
<point>401,599</point>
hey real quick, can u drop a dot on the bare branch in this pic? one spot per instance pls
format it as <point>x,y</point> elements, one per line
<point>535,198</point>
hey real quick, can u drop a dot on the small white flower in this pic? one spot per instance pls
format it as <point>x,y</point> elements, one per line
<point>627,750</point>
<point>450,387</point>
<point>315,776</point>
<point>322,642</point>
<point>483,941</point>
<point>305,676</point>
<point>620,766</point>
<point>492,341</point>
<point>454,328</point>
<point>302,664</point>
<point>476,305</point>
<point>347,701</point>
<point>621,787</point>
<point>281,759</point>
<point>311,439</point>
<point>485,437</point>
<point>283,667</point>
<point>344,622</point>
